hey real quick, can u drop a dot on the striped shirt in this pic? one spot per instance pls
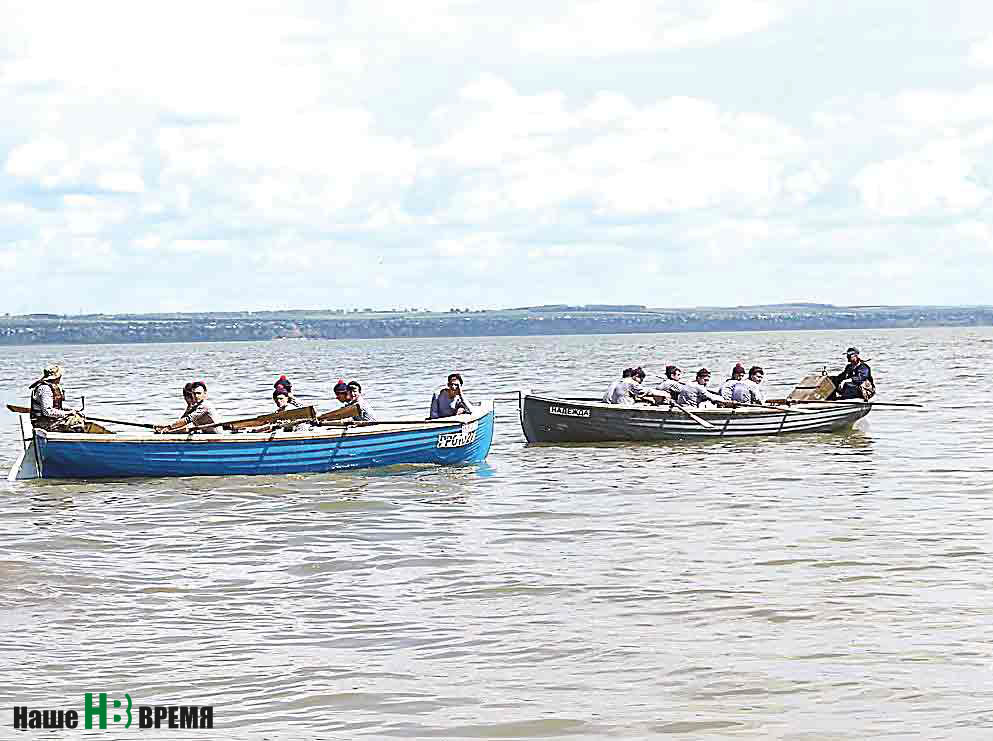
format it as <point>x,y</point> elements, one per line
<point>201,414</point>
<point>365,411</point>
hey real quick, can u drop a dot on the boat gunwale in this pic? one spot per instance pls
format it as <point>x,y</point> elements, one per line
<point>277,435</point>
<point>715,412</point>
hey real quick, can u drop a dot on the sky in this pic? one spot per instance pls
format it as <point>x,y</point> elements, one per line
<point>299,154</point>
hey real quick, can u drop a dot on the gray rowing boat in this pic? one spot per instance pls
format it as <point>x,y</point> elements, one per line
<point>549,419</point>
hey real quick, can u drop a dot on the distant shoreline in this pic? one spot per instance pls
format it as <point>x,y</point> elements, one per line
<point>532,321</point>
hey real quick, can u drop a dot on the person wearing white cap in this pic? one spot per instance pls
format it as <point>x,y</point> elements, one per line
<point>46,404</point>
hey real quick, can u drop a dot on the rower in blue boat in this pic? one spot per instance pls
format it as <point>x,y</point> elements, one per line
<point>355,397</point>
<point>449,401</point>
<point>201,414</point>
<point>282,395</point>
<point>341,391</point>
<point>188,398</point>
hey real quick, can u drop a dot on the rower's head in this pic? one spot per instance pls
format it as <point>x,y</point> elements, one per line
<point>454,381</point>
<point>284,383</point>
<point>341,391</point>
<point>626,373</point>
<point>199,391</point>
<point>354,390</point>
<point>638,374</point>
<point>852,354</point>
<point>703,376</point>
<point>52,373</point>
<point>738,372</point>
<point>188,393</point>
<point>281,397</point>
<point>673,372</point>
<point>756,374</point>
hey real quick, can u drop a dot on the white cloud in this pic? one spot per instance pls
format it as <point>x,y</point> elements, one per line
<point>938,177</point>
<point>493,139</point>
<point>981,53</point>
<point>674,155</point>
<point>599,28</point>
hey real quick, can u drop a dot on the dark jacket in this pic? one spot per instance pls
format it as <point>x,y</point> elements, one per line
<point>858,373</point>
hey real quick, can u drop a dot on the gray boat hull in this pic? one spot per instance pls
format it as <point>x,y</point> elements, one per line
<point>547,419</point>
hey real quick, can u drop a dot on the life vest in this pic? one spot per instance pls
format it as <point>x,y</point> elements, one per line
<point>57,398</point>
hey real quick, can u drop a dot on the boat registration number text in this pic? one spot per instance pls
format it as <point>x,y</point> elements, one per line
<point>568,411</point>
<point>459,439</point>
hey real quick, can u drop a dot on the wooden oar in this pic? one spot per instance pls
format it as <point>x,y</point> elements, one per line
<point>759,406</point>
<point>303,414</point>
<point>453,420</point>
<point>856,401</point>
<point>88,418</point>
<point>345,412</point>
<point>699,420</point>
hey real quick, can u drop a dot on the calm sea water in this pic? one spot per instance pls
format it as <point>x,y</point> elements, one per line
<point>810,587</point>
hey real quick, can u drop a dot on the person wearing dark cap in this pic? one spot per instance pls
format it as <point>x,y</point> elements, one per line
<point>449,401</point>
<point>727,388</point>
<point>855,381</point>
<point>696,393</point>
<point>46,404</point>
<point>341,391</point>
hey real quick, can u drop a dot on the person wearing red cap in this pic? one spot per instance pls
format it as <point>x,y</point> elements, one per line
<point>282,395</point>
<point>726,389</point>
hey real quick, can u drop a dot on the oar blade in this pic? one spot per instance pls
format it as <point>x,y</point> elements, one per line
<point>301,414</point>
<point>349,411</point>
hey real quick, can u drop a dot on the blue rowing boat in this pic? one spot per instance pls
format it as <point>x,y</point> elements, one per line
<point>62,455</point>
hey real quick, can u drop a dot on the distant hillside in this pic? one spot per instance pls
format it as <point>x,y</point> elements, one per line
<point>537,320</point>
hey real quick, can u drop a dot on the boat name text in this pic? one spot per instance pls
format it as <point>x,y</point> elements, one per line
<point>569,412</point>
<point>459,439</point>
